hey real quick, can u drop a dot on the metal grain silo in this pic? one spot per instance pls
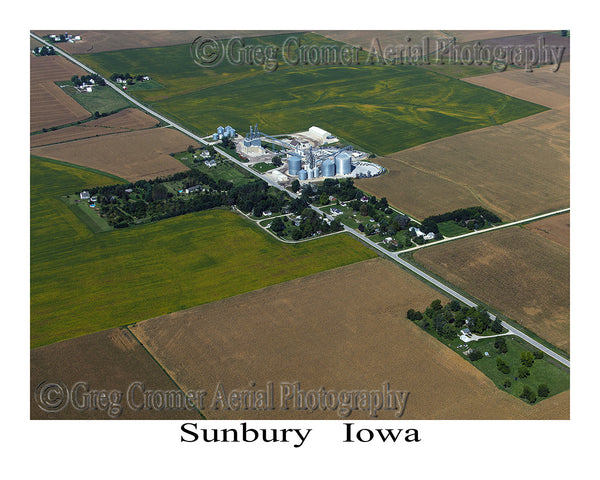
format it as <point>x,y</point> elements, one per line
<point>328,168</point>
<point>302,175</point>
<point>343,163</point>
<point>294,165</point>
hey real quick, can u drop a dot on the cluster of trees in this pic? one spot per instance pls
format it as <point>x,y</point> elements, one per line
<point>344,190</point>
<point>472,218</point>
<point>529,394</point>
<point>44,51</point>
<point>124,204</point>
<point>130,79</point>
<point>449,319</point>
<point>527,360</point>
<point>79,81</point>
<point>310,224</point>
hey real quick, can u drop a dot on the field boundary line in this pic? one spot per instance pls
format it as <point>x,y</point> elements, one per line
<point>126,327</point>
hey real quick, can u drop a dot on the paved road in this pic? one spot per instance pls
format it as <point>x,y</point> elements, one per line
<point>393,256</point>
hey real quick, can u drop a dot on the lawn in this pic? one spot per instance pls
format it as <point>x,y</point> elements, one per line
<point>101,99</point>
<point>378,108</point>
<point>542,371</point>
<point>83,282</point>
<point>451,229</point>
<point>263,167</point>
<point>224,169</point>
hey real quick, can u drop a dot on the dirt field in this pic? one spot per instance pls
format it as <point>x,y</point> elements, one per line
<point>123,121</point>
<point>108,360</point>
<point>50,106</point>
<point>407,38</point>
<point>142,154</point>
<point>340,329</point>
<point>521,273</point>
<point>107,40</point>
<point>463,36</point>
<point>542,86</point>
<point>517,169</point>
<point>556,229</point>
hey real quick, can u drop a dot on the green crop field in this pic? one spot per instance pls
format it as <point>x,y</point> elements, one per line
<point>379,108</point>
<point>82,282</point>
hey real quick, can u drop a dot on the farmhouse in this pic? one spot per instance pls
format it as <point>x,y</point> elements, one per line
<point>391,241</point>
<point>85,195</point>
<point>193,189</point>
<point>210,163</point>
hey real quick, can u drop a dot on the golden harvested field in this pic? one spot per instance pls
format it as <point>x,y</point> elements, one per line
<point>542,86</point>
<point>517,169</point>
<point>142,154</point>
<point>107,360</point>
<point>94,41</point>
<point>340,329</point>
<point>49,105</point>
<point>123,121</point>
<point>517,271</point>
<point>556,228</point>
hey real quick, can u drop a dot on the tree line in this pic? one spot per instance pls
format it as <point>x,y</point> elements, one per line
<point>472,218</point>
<point>79,81</point>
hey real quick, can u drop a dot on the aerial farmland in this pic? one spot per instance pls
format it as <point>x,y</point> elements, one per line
<point>169,249</point>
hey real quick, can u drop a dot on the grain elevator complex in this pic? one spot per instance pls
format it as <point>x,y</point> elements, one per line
<point>307,156</point>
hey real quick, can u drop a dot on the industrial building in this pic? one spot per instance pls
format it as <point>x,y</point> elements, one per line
<point>318,163</point>
<point>252,145</point>
<point>309,154</point>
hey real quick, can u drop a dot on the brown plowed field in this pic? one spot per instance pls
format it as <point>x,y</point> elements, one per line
<point>94,41</point>
<point>517,271</point>
<point>556,229</point>
<point>340,329</point>
<point>123,121</point>
<point>517,169</point>
<point>50,106</point>
<point>142,154</point>
<point>407,38</point>
<point>107,360</point>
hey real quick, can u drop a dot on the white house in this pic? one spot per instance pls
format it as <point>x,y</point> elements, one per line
<point>85,195</point>
<point>429,236</point>
<point>416,231</point>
